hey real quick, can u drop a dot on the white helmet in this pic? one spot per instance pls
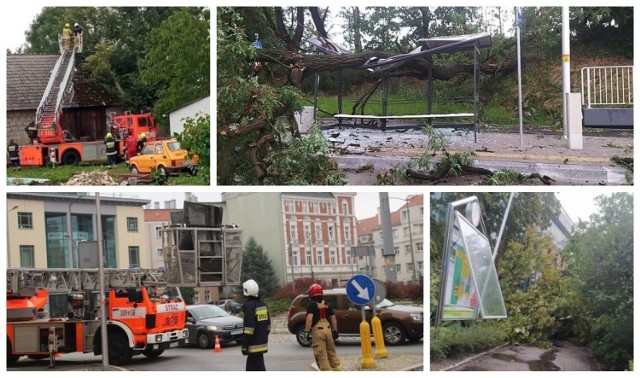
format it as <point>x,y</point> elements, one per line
<point>250,288</point>
<point>76,24</point>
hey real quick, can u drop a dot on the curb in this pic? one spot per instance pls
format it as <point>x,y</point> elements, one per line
<point>455,365</point>
<point>588,174</point>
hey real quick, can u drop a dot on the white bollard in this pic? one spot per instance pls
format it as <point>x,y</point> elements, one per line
<point>574,120</point>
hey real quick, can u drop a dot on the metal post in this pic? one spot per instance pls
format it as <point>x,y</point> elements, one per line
<point>293,277</point>
<point>387,242</point>
<point>8,233</point>
<point>385,95</point>
<point>103,301</point>
<point>518,23</point>
<point>504,221</point>
<point>340,82</point>
<point>413,263</point>
<point>566,66</point>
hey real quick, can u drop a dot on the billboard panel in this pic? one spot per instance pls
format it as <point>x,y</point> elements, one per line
<point>483,270</point>
<point>460,294</point>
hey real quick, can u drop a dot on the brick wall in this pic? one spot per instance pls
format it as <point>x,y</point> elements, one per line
<point>17,120</point>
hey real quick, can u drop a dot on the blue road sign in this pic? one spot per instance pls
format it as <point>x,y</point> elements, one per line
<point>361,289</point>
<point>257,45</point>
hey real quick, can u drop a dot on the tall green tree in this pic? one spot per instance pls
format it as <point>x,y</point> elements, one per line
<point>178,60</point>
<point>257,266</point>
<point>600,263</point>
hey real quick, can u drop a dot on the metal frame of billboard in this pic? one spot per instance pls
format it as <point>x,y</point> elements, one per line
<point>448,244</point>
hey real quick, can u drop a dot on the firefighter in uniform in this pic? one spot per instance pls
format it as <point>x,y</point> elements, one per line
<point>111,149</point>
<point>257,325</point>
<point>32,132</point>
<point>322,327</point>
<point>14,154</point>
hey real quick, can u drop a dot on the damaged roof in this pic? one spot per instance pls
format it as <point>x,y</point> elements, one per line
<point>28,76</point>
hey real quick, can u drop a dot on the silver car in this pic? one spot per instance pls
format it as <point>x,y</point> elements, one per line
<point>206,321</point>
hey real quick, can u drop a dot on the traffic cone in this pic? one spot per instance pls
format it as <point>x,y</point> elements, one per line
<point>217,346</point>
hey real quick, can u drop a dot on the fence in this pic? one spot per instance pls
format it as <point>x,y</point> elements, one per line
<point>607,86</point>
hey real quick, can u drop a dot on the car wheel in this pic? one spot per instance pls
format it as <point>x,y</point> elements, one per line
<point>193,170</point>
<point>153,353</point>
<point>204,341</point>
<point>71,157</point>
<point>134,169</point>
<point>393,333</point>
<point>12,359</point>
<point>119,351</point>
<point>301,339</point>
<point>162,170</point>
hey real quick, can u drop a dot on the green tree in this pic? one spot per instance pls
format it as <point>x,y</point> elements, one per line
<point>196,139</point>
<point>257,266</point>
<point>177,60</point>
<point>600,263</point>
<point>541,303</point>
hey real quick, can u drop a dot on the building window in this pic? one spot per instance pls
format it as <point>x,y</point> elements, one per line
<point>320,257</point>
<point>293,232</point>
<point>207,296</point>
<point>421,211</point>
<point>305,207</point>
<point>348,259</point>
<point>316,207</point>
<point>419,266</point>
<point>405,232</point>
<point>405,215</point>
<point>398,268</point>
<point>159,254</point>
<point>134,257</point>
<point>292,206</point>
<point>409,267</point>
<point>318,232</point>
<point>25,221</point>
<point>330,231</point>
<point>394,233</point>
<point>294,258</point>
<point>307,232</point>
<point>407,249</point>
<point>158,231</point>
<point>347,233</point>
<point>132,224</point>
<point>27,256</point>
<point>196,296</point>
<point>308,253</point>
<point>332,257</point>
<point>419,246</point>
<point>396,251</point>
<point>345,208</point>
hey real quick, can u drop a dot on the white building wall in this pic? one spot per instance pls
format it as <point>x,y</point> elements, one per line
<point>177,117</point>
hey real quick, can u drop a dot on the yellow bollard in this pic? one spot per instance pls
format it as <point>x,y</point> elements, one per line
<point>367,362</point>
<point>381,351</point>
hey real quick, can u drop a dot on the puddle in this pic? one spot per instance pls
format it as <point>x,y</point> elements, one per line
<point>505,357</point>
<point>544,363</point>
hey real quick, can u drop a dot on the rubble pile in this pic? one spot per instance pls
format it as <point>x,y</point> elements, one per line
<point>92,178</point>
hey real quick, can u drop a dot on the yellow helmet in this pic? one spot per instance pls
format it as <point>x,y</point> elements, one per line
<point>66,25</point>
<point>143,135</point>
<point>109,135</point>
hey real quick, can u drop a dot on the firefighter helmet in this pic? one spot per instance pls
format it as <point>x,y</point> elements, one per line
<point>109,135</point>
<point>76,24</point>
<point>250,288</point>
<point>66,25</point>
<point>315,290</point>
<point>143,135</point>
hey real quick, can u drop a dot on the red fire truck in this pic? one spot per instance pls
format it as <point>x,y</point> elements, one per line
<point>141,317</point>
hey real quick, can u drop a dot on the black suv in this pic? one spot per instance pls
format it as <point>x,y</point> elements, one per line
<point>399,322</point>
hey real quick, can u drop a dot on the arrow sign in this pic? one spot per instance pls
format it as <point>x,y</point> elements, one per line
<point>360,289</point>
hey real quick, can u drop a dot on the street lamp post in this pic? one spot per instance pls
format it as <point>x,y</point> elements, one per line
<point>8,244</point>
<point>413,262</point>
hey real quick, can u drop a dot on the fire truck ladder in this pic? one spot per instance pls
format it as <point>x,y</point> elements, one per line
<point>50,106</point>
<point>23,281</point>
